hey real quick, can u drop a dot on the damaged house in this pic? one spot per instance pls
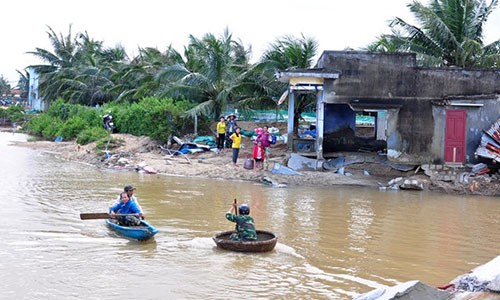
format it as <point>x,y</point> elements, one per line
<point>418,115</point>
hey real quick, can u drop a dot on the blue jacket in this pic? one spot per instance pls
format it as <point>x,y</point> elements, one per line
<point>128,208</point>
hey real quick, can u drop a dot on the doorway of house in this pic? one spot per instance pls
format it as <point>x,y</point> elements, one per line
<point>454,139</point>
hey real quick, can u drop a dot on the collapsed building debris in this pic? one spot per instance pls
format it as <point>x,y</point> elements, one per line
<point>490,143</point>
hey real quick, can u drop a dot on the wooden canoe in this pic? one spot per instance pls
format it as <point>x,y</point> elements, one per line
<point>265,242</point>
<point>142,232</point>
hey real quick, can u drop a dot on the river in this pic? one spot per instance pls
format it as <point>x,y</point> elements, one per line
<point>334,243</point>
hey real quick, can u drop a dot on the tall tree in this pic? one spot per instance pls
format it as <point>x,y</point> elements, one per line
<point>23,83</point>
<point>78,69</point>
<point>137,80</point>
<point>450,34</point>
<point>4,86</point>
<point>211,74</point>
<point>285,53</point>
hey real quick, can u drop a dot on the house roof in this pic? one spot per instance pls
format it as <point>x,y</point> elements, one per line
<point>287,75</point>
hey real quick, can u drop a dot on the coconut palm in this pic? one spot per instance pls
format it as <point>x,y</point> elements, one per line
<point>78,69</point>
<point>137,79</point>
<point>288,53</point>
<point>23,83</point>
<point>450,33</point>
<point>212,74</point>
<point>4,86</point>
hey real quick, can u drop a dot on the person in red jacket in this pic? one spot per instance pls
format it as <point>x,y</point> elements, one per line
<point>265,138</point>
<point>258,155</point>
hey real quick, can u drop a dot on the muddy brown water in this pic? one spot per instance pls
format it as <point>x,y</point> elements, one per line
<point>334,243</point>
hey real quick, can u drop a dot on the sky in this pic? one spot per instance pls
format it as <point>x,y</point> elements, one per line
<point>334,24</point>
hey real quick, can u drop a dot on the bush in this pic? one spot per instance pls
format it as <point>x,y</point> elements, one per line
<point>90,135</point>
<point>15,113</point>
<point>153,117</point>
<point>37,125</point>
<point>51,132</point>
<point>107,143</point>
<point>72,127</point>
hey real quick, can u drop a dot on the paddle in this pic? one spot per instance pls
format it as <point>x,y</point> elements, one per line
<point>235,204</point>
<point>93,216</point>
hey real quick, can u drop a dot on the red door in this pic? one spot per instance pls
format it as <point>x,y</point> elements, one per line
<point>454,137</point>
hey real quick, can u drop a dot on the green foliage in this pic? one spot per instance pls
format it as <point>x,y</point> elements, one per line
<point>450,33</point>
<point>153,117</point>
<point>72,127</point>
<point>107,143</point>
<point>63,110</point>
<point>15,113</point>
<point>90,135</point>
<point>51,133</point>
<point>44,125</point>
<point>4,85</point>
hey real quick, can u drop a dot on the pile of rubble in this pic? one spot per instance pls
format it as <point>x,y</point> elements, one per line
<point>490,143</point>
<point>481,283</point>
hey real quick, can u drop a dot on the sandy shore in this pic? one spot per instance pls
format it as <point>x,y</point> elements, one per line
<point>143,155</point>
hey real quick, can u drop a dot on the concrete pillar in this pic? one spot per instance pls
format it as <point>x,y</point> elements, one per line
<point>291,114</point>
<point>320,122</point>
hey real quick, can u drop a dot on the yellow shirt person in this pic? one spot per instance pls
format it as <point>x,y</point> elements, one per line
<point>221,134</point>
<point>236,138</point>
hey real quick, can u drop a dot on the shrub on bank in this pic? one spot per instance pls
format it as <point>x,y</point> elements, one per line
<point>153,117</point>
<point>90,135</point>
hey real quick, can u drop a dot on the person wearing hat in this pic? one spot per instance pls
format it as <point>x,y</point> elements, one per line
<point>129,189</point>
<point>245,225</point>
<point>230,129</point>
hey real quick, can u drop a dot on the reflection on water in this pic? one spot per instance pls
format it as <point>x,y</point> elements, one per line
<point>334,243</point>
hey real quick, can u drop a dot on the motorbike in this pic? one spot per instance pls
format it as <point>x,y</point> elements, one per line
<point>107,122</point>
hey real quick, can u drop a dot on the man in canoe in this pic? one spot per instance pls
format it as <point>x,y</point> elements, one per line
<point>126,206</point>
<point>245,226</point>
<point>129,189</point>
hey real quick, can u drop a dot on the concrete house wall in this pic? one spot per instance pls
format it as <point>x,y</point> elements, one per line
<point>416,101</point>
<point>34,99</point>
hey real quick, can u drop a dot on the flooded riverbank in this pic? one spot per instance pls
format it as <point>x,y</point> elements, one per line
<point>334,242</point>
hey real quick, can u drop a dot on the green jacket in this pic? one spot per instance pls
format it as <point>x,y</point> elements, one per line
<point>245,227</point>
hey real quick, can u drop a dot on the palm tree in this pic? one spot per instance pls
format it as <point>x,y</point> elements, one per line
<point>78,69</point>
<point>212,74</point>
<point>4,86</point>
<point>137,80</point>
<point>23,83</point>
<point>388,43</point>
<point>450,33</point>
<point>285,53</point>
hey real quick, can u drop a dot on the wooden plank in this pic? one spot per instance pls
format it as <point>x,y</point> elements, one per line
<point>93,216</point>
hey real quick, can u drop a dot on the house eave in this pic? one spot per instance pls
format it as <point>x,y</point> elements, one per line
<point>285,76</point>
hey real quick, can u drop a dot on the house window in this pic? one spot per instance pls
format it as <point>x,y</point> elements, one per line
<point>365,124</point>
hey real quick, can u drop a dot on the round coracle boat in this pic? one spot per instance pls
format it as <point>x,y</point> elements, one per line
<point>265,242</point>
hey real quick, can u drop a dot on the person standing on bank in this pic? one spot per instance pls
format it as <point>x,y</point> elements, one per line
<point>126,206</point>
<point>230,128</point>
<point>221,134</point>
<point>245,225</point>
<point>236,139</point>
<point>265,138</point>
<point>129,189</point>
<point>258,155</point>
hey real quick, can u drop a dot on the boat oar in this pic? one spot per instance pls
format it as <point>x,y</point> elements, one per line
<point>93,216</point>
<point>235,204</point>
